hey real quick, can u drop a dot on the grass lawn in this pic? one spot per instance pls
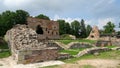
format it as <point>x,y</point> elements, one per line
<point>72,51</point>
<point>82,40</point>
<point>103,55</point>
<point>111,46</point>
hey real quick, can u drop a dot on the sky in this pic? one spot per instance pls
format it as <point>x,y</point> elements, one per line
<point>94,12</point>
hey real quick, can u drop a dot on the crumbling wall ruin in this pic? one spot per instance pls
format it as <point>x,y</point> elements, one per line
<point>25,46</point>
<point>94,34</point>
<point>45,29</point>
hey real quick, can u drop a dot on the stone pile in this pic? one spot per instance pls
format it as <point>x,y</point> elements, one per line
<point>22,38</point>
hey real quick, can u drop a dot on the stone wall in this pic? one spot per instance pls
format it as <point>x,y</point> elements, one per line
<point>25,46</point>
<point>92,51</point>
<point>53,44</point>
<point>50,28</point>
<point>23,38</point>
<point>103,43</point>
<point>75,45</point>
<point>32,56</point>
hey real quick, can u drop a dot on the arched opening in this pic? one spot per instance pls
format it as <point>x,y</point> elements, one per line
<point>39,30</point>
<point>92,36</point>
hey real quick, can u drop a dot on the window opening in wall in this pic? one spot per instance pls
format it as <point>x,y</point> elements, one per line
<point>39,30</point>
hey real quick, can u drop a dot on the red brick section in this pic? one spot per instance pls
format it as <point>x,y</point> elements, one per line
<point>50,28</point>
<point>41,55</point>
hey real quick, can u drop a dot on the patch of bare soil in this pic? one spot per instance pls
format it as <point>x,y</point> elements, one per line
<point>97,63</point>
<point>9,63</point>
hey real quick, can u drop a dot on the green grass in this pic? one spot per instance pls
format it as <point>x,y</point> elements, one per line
<point>5,54</point>
<point>103,55</point>
<point>72,51</point>
<point>82,40</point>
<point>111,46</point>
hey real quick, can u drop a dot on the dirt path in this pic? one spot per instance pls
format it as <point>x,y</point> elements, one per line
<point>9,63</point>
<point>97,63</point>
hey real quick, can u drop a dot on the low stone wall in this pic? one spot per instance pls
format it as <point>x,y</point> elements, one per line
<point>64,56</point>
<point>103,43</point>
<point>92,51</point>
<point>75,45</point>
<point>115,41</point>
<point>53,44</point>
<point>32,56</point>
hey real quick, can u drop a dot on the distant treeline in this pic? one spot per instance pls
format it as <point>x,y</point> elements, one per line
<point>9,18</point>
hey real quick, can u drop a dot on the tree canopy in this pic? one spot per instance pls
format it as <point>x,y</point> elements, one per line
<point>42,16</point>
<point>109,28</point>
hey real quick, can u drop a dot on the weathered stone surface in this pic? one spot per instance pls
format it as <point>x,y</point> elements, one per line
<point>64,56</point>
<point>75,45</point>
<point>92,51</point>
<point>50,29</point>
<point>26,48</point>
<point>103,43</point>
<point>23,38</point>
<point>37,55</point>
<point>54,44</point>
<point>94,34</point>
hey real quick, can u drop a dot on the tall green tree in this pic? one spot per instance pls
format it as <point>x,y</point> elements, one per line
<point>62,28</point>
<point>88,30</point>
<point>68,28</point>
<point>6,21</point>
<point>109,28</point>
<point>75,25</point>
<point>41,16</point>
<point>83,29</point>
<point>21,17</point>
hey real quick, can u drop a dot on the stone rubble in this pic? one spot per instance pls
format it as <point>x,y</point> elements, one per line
<point>23,38</point>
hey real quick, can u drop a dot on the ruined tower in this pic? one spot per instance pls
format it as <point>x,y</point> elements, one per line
<point>94,34</point>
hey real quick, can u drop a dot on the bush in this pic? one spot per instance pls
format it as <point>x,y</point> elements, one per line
<point>65,36</point>
<point>3,44</point>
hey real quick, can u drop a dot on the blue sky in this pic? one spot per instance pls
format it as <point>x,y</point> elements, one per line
<point>94,12</point>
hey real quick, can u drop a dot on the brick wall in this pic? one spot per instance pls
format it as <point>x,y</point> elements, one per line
<point>50,28</point>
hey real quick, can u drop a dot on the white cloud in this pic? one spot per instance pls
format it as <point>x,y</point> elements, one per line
<point>102,22</point>
<point>16,3</point>
<point>69,20</point>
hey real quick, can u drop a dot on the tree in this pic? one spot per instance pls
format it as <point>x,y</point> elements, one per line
<point>68,28</point>
<point>75,25</point>
<point>6,21</point>
<point>41,16</point>
<point>118,32</point>
<point>62,28</point>
<point>83,29</point>
<point>21,17</point>
<point>88,30</point>
<point>109,28</point>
